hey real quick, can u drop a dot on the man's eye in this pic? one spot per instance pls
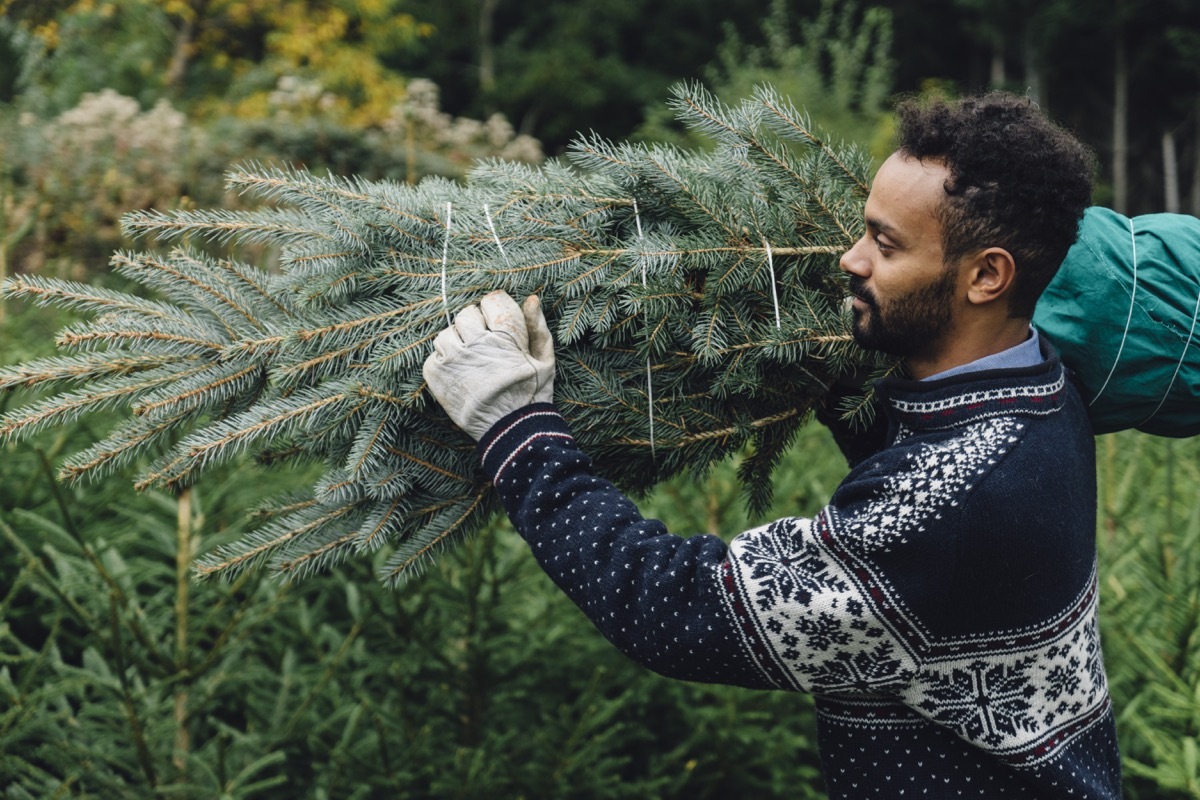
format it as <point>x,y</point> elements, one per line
<point>883,246</point>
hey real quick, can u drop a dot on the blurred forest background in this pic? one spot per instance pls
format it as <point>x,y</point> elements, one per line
<point>121,677</point>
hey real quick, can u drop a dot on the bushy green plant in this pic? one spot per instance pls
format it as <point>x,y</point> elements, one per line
<point>120,677</point>
<point>1150,607</point>
<point>837,62</point>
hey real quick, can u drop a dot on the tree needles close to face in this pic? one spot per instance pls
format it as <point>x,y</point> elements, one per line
<point>695,299</point>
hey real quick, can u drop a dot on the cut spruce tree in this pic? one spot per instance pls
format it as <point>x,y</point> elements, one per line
<point>695,298</point>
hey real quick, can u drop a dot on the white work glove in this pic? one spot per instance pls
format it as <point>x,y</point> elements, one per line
<point>497,357</point>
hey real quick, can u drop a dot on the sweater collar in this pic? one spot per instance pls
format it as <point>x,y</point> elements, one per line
<point>960,399</point>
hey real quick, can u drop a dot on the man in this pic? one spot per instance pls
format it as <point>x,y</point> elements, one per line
<point>942,606</point>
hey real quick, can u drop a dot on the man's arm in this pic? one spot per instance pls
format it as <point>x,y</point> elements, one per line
<point>656,596</point>
<point>777,608</point>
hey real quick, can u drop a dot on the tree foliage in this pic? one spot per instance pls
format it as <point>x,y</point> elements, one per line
<point>695,299</point>
<point>210,53</point>
<point>120,677</point>
<point>839,61</point>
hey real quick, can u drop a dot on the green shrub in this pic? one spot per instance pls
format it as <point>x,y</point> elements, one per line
<point>479,679</point>
<point>119,679</point>
<point>1149,530</point>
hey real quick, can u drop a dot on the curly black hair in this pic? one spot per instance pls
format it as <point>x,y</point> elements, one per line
<point>1017,181</point>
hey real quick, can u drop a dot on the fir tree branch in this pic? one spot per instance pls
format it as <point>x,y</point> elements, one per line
<point>399,569</point>
<point>260,227</point>
<point>788,118</point>
<point>722,433</point>
<point>231,435</point>
<point>49,372</point>
<point>189,397</point>
<point>130,339</point>
<point>299,564</point>
<point>322,362</point>
<point>232,560</point>
<point>81,297</point>
<point>125,443</point>
<point>67,406</point>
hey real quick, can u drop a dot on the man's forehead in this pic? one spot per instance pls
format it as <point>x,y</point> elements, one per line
<point>906,192</point>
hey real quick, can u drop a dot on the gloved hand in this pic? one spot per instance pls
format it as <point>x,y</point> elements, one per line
<point>495,358</point>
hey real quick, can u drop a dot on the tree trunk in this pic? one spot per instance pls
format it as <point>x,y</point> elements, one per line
<point>185,548</point>
<point>1196,163</point>
<point>487,52</point>
<point>998,76</point>
<point>1120,155</point>
<point>1170,174</point>
<point>181,53</point>
<point>1033,72</point>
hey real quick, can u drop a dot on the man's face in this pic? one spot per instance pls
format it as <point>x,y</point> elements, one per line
<point>903,291</point>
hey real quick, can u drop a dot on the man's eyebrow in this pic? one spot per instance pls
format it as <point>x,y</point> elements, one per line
<point>879,226</point>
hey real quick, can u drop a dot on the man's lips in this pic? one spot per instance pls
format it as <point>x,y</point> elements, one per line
<point>860,303</point>
<point>860,298</point>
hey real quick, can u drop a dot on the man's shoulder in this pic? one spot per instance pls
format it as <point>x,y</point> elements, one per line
<point>991,442</point>
<point>1041,392</point>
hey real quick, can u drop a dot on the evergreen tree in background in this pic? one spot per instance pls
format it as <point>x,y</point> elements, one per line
<point>695,299</point>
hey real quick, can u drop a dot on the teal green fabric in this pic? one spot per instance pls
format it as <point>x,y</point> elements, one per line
<point>1122,311</point>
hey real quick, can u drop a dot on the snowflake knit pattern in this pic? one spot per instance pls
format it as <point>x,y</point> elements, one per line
<point>941,608</point>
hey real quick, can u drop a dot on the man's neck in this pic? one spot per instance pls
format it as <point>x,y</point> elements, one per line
<point>961,347</point>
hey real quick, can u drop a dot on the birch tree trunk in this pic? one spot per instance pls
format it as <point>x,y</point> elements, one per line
<point>1195,200</point>
<point>1120,145</point>
<point>1033,71</point>
<point>487,51</point>
<point>1170,174</point>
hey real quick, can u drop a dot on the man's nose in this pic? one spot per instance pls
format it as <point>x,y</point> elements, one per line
<point>852,260</point>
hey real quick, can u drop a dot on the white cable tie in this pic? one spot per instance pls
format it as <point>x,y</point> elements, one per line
<point>774,291</point>
<point>1187,343</point>
<point>495,236</point>
<point>445,257</point>
<point>637,219</point>
<point>1128,319</point>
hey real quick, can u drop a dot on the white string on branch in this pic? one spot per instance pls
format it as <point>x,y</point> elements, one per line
<point>637,219</point>
<point>774,291</point>
<point>495,236</point>
<point>445,257</point>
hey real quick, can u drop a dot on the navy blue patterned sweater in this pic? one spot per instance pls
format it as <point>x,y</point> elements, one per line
<point>941,607</point>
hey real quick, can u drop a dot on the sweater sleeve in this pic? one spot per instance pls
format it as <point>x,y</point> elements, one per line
<point>690,608</point>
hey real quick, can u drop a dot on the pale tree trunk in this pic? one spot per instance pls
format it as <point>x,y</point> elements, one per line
<point>487,51</point>
<point>185,547</point>
<point>998,77</point>
<point>1033,73</point>
<point>181,53</point>
<point>1196,164</point>
<point>1170,174</point>
<point>1120,156</point>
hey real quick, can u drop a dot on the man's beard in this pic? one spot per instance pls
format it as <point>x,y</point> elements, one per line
<point>904,325</point>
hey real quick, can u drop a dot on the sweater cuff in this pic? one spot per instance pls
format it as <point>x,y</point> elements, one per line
<point>502,443</point>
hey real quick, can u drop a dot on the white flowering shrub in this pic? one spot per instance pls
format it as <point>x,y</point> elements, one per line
<point>420,119</point>
<point>79,172</point>
<point>66,181</point>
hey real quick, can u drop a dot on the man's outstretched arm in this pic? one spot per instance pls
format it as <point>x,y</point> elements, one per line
<point>690,608</point>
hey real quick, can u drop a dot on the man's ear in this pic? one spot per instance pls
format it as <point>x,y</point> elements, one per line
<point>991,275</point>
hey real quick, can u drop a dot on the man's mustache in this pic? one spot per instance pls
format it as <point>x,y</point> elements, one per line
<point>858,288</point>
